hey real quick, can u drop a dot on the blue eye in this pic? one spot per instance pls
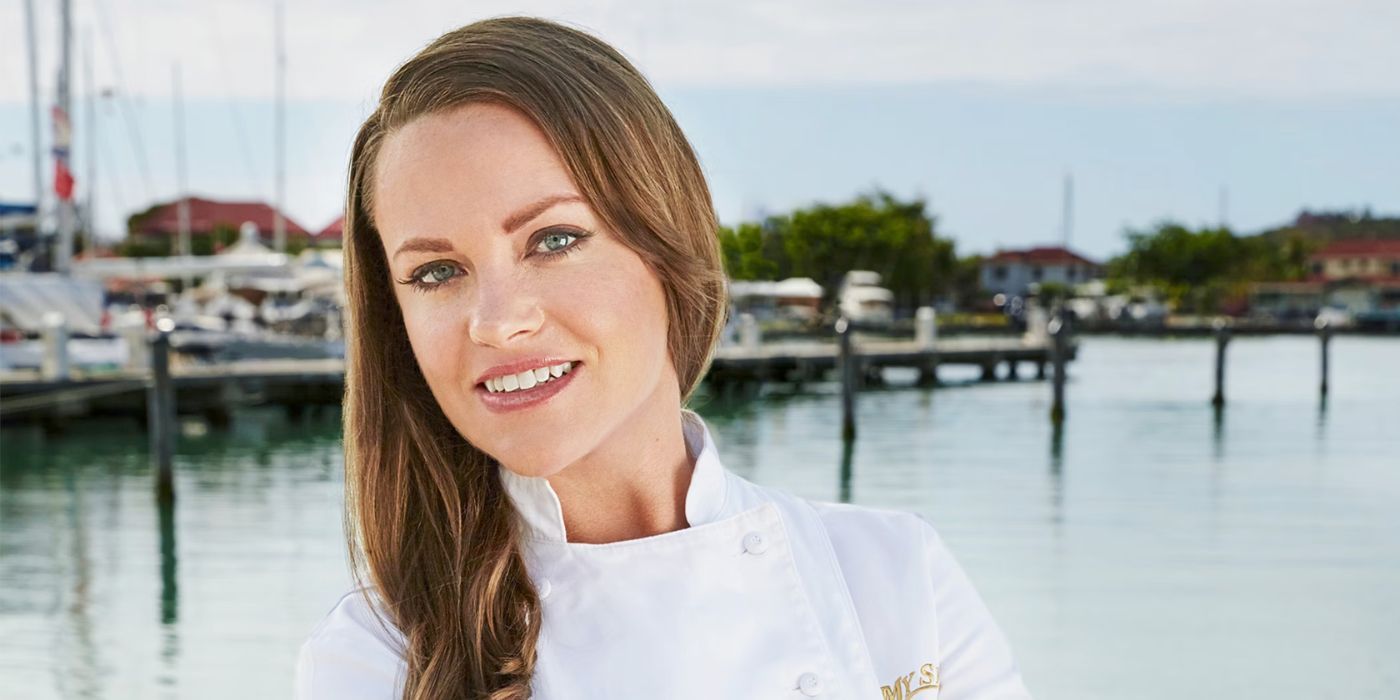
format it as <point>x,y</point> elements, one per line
<point>432,275</point>
<point>551,243</point>
<point>559,241</point>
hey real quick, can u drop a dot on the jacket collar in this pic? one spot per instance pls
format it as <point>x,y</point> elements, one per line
<point>538,505</point>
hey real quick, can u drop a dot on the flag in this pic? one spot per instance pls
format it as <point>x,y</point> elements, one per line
<point>62,137</point>
<point>62,181</point>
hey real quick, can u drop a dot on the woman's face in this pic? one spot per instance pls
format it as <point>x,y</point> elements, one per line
<point>504,273</point>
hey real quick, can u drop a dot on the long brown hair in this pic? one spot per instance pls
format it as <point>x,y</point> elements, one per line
<point>428,523</point>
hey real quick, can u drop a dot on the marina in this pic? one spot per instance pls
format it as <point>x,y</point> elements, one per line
<point>1158,434</point>
<point>214,390</point>
<point>1151,527</point>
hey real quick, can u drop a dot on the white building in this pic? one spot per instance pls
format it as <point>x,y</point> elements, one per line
<point>1012,272</point>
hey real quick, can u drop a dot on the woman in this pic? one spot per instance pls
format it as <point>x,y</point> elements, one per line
<point>535,290</point>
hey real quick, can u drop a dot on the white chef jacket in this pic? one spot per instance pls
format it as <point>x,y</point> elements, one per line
<point>765,595</point>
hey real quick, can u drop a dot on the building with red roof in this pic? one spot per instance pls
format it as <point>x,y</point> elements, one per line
<point>1360,276</point>
<point>1012,272</point>
<point>158,226</point>
<point>333,231</point>
<point>1364,260</point>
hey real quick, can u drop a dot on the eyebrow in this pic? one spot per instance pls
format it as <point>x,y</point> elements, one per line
<point>426,245</point>
<point>512,222</point>
<point>527,214</point>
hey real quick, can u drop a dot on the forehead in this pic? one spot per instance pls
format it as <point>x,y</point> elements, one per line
<point>462,169</point>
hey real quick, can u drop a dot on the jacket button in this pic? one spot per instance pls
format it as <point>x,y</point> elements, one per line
<point>543,587</point>
<point>754,543</point>
<point>810,684</point>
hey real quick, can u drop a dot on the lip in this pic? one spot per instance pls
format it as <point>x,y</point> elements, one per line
<point>505,401</point>
<point>520,366</point>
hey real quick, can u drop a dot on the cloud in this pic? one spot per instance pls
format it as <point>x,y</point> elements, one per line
<point>344,49</point>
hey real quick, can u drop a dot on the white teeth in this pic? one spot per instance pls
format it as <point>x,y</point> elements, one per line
<point>529,378</point>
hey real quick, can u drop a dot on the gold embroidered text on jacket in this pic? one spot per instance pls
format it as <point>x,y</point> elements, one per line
<point>904,688</point>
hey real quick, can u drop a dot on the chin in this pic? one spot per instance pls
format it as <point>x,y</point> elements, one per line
<point>533,462</point>
<point>541,468</point>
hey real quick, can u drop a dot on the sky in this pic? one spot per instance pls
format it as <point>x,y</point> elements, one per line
<point>1196,111</point>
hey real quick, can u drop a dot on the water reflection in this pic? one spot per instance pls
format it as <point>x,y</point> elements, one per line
<point>847,448</point>
<point>1217,432</point>
<point>84,672</point>
<point>1131,534</point>
<point>169,581</point>
<point>1057,467</point>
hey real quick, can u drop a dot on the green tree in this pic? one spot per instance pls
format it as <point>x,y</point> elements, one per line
<point>1200,269</point>
<point>136,247</point>
<point>967,281</point>
<point>224,235</point>
<point>744,255</point>
<point>875,232</point>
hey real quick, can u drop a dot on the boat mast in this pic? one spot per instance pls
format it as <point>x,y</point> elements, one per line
<point>183,207</point>
<point>90,123</point>
<point>36,148</point>
<point>279,225</point>
<point>64,252</point>
<point>1068,224</point>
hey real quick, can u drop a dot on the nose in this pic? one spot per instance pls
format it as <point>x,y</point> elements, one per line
<point>504,310</point>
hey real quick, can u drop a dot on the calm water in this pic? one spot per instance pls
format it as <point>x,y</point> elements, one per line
<point>1150,551</point>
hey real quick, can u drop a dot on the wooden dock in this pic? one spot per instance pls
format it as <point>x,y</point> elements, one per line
<point>214,391</point>
<point>810,361</point>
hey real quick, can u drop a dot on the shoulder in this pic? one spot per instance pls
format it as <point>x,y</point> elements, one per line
<point>894,535</point>
<point>872,544</point>
<point>354,652</point>
<point>898,570</point>
<point>866,525</point>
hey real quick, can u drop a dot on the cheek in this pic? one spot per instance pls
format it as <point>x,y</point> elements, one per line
<point>622,313</point>
<point>436,338</point>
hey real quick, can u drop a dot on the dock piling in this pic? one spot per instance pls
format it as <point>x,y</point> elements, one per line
<point>1037,322</point>
<point>925,337</point>
<point>1324,335</point>
<point>55,339</point>
<point>1058,330</point>
<point>160,409</point>
<point>925,327</point>
<point>1222,338</point>
<point>989,371</point>
<point>133,333</point>
<point>847,361</point>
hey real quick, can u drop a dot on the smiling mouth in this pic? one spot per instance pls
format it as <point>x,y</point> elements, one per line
<point>529,379</point>
<point>514,392</point>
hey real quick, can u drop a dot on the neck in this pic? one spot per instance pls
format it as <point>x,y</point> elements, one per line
<point>633,485</point>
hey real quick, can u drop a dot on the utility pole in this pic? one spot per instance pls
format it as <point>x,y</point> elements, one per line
<point>279,225</point>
